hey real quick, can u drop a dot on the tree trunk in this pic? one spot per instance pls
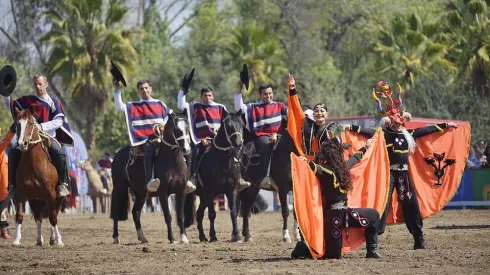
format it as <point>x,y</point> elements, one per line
<point>91,129</point>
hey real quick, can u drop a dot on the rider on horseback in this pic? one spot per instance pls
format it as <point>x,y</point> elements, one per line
<point>205,118</point>
<point>264,120</point>
<point>146,119</point>
<point>49,113</point>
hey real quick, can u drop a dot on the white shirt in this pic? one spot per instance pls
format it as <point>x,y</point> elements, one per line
<point>239,105</point>
<point>49,127</point>
<point>121,106</point>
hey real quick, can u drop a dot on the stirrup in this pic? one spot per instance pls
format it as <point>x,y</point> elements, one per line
<point>189,187</point>
<point>243,184</point>
<point>268,183</point>
<point>62,190</point>
<point>153,185</point>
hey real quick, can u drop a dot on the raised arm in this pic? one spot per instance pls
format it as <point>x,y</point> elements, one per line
<point>420,132</point>
<point>295,116</point>
<point>120,106</point>
<point>356,157</point>
<point>6,102</point>
<point>4,143</point>
<point>181,101</point>
<point>368,132</point>
<point>239,105</point>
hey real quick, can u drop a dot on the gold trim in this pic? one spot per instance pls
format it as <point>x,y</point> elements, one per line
<point>438,128</point>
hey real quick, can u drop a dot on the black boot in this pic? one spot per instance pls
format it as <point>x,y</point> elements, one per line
<point>301,251</point>
<point>371,234</point>
<point>58,157</point>
<point>242,184</point>
<point>419,243</point>
<point>13,162</point>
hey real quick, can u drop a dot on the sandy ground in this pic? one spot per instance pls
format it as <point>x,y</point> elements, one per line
<point>459,243</point>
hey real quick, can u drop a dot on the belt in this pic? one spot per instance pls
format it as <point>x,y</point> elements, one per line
<point>399,167</point>
<point>339,205</point>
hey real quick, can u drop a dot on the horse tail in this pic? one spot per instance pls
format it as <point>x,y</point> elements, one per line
<point>120,193</point>
<point>189,209</point>
<point>251,201</point>
<point>260,205</point>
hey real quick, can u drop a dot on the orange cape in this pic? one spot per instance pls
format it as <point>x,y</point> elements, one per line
<point>4,179</point>
<point>370,186</point>
<point>432,199</point>
<point>370,190</point>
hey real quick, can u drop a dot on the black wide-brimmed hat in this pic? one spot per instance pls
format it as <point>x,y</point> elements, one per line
<point>116,73</point>
<point>8,80</point>
<point>186,82</point>
<point>244,76</point>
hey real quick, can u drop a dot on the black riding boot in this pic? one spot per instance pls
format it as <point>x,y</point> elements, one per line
<point>301,251</point>
<point>58,157</point>
<point>242,184</point>
<point>151,183</point>
<point>371,234</point>
<point>419,242</point>
<point>196,154</point>
<point>13,162</point>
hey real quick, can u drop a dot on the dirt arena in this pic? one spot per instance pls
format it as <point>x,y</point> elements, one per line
<point>459,244</point>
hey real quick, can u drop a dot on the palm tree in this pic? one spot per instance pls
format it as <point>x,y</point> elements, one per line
<point>408,49</point>
<point>467,28</point>
<point>262,52</point>
<point>85,35</point>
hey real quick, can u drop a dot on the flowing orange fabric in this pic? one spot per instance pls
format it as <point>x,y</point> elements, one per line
<point>370,188</point>
<point>4,180</point>
<point>455,143</point>
<point>296,118</point>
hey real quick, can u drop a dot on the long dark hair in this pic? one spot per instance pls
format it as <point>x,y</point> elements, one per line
<point>332,153</point>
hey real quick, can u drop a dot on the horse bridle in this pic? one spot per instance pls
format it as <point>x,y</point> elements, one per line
<point>29,142</point>
<point>228,138</point>
<point>176,145</point>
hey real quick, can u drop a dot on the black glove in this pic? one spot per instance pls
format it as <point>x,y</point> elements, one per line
<point>186,82</point>
<point>13,127</point>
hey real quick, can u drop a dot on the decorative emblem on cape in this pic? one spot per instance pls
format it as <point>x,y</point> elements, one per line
<point>438,170</point>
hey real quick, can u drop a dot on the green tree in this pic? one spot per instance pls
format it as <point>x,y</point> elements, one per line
<point>467,29</point>
<point>85,36</point>
<point>406,50</point>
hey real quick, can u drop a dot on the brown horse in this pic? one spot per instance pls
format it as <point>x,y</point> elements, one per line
<point>36,179</point>
<point>95,186</point>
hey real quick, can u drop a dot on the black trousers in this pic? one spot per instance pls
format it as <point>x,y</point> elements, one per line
<point>335,220</point>
<point>58,157</point>
<point>196,154</point>
<point>407,197</point>
<point>149,148</point>
<point>264,147</point>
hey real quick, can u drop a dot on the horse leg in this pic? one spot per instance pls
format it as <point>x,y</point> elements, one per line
<point>167,216</point>
<point>115,232</point>
<point>94,204</point>
<point>232,198</point>
<point>139,202</point>
<point>283,198</point>
<point>296,233</point>
<point>19,218</point>
<point>247,198</point>
<point>179,203</point>
<point>200,217</point>
<point>102,204</point>
<point>211,217</point>
<point>53,208</point>
<point>37,207</point>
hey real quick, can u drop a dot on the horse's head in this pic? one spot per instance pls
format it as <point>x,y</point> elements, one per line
<point>176,133</point>
<point>231,130</point>
<point>84,164</point>
<point>27,129</point>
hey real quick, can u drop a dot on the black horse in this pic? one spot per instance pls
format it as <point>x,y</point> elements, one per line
<point>169,166</point>
<point>219,173</point>
<point>280,171</point>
